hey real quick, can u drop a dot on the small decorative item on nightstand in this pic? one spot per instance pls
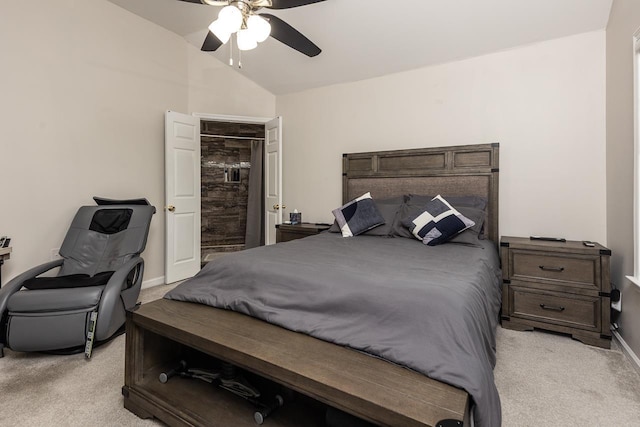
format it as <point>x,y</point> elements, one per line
<point>561,286</point>
<point>286,232</point>
<point>295,217</point>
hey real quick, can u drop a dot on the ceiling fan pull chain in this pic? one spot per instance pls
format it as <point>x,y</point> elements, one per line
<point>231,51</point>
<point>239,59</point>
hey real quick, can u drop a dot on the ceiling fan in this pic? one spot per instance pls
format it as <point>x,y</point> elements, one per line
<point>241,17</point>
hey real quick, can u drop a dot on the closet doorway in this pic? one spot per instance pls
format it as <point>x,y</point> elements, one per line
<point>209,161</point>
<point>229,152</point>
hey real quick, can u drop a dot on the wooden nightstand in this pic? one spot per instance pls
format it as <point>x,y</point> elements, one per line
<point>286,232</point>
<point>557,286</point>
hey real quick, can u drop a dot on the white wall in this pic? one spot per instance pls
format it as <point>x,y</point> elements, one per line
<point>216,88</point>
<point>544,103</point>
<point>623,22</point>
<point>84,89</point>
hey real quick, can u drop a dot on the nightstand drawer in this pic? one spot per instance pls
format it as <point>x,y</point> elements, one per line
<point>557,308</point>
<point>576,270</point>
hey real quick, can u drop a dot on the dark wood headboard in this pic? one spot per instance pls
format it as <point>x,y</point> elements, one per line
<point>464,170</point>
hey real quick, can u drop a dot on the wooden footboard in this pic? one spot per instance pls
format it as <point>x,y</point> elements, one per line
<point>162,333</point>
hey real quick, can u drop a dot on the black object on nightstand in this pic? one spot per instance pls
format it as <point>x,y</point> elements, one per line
<point>287,232</point>
<point>558,286</point>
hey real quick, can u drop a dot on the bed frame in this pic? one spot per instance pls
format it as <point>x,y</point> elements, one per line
<point>163,332</point>
<point>467,170</point>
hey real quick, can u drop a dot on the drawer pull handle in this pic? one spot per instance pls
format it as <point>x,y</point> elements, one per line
<point>545,268</point>
<point>552,307</point>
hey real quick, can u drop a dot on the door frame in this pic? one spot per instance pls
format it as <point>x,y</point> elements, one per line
<point>250,120</point>
<point>233,119</point>
<point>223,118</point>
<point>272,169</point>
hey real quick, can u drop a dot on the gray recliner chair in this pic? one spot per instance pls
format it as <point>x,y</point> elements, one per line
<point>99,279</point>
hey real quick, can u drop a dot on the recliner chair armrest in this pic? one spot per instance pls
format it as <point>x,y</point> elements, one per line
<point>119,276</point>
<point>111,294</point>
<point>15,284</point>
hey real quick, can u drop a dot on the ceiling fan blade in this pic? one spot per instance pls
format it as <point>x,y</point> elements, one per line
<point>192,1</point>
<point>211,43</point>
<point>288,35</point>
<point>288,4</point>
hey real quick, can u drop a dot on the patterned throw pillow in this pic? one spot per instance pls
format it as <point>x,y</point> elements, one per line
<point>358,216</point>
<point>437,222</point>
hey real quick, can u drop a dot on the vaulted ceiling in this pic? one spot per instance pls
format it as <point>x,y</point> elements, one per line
<point>361,39</point>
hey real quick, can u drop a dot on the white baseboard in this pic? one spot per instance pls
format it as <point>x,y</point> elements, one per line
<point>153,282</point>
<point>633,358</point>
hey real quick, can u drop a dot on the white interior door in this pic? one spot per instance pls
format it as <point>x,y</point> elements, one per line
<point>182,196</point>
<point>273,179</point>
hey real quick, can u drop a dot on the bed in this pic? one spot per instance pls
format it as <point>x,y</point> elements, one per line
<point>367,295</point>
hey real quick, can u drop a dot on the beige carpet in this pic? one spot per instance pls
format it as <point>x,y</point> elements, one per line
<point>543,379</point>
<point>551,380</point>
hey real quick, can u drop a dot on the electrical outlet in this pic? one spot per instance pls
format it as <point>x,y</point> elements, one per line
<point>55,254</point>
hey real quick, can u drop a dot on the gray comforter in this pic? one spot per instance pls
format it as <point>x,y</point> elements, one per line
<point>432,309</point>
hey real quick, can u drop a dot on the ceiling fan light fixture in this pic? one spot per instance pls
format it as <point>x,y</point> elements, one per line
<point>244,18</point>
<point>246,40</point>
<point>231,18</point>
<point>259,27</point>
<point>220,31</point>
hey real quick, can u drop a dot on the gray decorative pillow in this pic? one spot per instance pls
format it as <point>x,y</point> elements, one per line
<point>358,216</point>
<point>466,237</point>
<point>437,222</point>
<point>397,228</point>
<point>389,209</point>
<point>476,215</point>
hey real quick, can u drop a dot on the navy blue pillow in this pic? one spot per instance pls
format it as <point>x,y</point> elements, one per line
<point>437,222</point>
<point>358,216</point>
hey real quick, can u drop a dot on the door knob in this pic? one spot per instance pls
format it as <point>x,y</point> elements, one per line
<point>276,207</point>
<point>171,208</point>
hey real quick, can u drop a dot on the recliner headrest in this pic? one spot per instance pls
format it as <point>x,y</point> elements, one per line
<point>102,201</point>
<point>110,221</point>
